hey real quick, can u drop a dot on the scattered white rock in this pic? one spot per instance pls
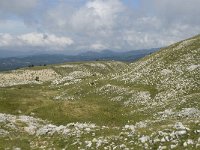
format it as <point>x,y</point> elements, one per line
<point>185,144</point>
<point>173,146</point>
<point>3,133</point>
<point>144,139</point>
<point>193,67</point>
<point>179,126</point>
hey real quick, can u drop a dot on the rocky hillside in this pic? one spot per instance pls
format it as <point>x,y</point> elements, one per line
<point>173,73</point>
<point>153,103</point>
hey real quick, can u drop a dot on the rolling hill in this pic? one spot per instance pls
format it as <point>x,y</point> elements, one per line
<point>153,103</point>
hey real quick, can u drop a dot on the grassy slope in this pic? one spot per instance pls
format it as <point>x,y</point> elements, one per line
<point>39,99</point>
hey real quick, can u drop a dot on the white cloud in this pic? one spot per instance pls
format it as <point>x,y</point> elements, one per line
<point>97,46</point>
<point>104,12</point>
<point>93,15</point>
<point>117,26</point>
<point>184,11</point>
<point>104,24</point>
<point>35,40</point>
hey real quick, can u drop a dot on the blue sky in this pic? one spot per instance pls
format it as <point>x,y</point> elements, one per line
<point>73,26</point>
<point>132,3</point>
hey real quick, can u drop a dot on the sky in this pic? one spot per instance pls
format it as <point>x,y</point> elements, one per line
<point>73,26</point>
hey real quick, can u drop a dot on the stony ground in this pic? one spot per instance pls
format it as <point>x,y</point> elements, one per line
<point>153,103</point>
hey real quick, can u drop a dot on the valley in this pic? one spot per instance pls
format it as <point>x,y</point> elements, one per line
<point>153,103</point>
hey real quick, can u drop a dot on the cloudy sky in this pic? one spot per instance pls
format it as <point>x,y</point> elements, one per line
<point>71,26</point>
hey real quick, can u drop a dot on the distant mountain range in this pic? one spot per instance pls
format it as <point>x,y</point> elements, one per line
<point>11,63</point>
